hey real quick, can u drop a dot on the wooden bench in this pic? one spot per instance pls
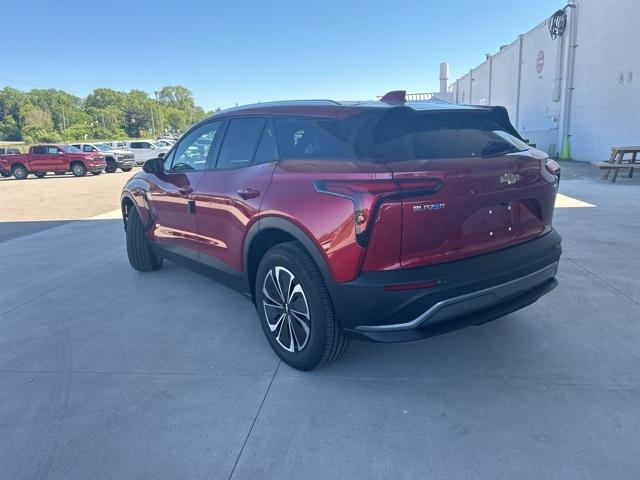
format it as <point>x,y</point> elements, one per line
<point>618,161</point>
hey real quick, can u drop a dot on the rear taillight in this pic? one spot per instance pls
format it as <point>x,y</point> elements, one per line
<point>553,168</point>
<point>368,195</point>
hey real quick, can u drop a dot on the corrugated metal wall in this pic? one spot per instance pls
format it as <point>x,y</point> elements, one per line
<point>605,106</point>
<point>606,101</point>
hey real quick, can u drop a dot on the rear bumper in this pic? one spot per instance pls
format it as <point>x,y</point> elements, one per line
<point>467,292</point>
<point>125,163</point>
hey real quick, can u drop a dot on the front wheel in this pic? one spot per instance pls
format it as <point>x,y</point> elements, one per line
<point>111,167</point>
<point>295,309</point>
<point>79,170</point>
<point>141,257</point>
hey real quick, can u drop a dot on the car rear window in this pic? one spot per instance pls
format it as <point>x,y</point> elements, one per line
<point>408,135</point>
<point>395,135</point>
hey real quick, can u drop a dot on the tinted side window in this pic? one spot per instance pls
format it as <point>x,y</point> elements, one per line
<point>135,145</point>
<point>266,151</point>
<point>309,138</point>
<point>193,151</point>
<point>52,150</point>
<point>39,150</point>
<point>240,142</point>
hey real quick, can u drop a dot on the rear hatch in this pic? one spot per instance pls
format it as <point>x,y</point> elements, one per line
<point>495,191</point>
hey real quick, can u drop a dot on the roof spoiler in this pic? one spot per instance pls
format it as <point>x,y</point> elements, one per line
<point>396,96</point>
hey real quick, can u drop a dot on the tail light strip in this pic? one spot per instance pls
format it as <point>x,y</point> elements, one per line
<point>368,195</point>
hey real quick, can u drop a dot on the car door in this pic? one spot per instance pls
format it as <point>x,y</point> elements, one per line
<point>39,158</point>
<point>228,197</point>
<point>56,159</point>
<point>171,192</point>
<point>147,151</point>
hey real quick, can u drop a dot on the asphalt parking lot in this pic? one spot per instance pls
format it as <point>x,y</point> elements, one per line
<point>109,373</point>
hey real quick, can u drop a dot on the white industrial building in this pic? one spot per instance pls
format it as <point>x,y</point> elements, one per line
<point>574,96</point>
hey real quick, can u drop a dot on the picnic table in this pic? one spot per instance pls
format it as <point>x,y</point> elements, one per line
<point>618,162</point>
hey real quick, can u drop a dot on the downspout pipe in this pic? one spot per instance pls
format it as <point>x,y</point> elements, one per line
<point>519,86</point>
<point>565,153</point>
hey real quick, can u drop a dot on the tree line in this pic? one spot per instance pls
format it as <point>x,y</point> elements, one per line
<point>50,115</point>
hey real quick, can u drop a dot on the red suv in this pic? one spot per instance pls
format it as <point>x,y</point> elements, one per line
<point>385,221</point>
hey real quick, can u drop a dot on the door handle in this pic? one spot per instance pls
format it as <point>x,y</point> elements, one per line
<point>185,190</point>
<point>248,193</point>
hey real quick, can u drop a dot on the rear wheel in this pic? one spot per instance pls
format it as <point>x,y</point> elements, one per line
<point>20,172</point>
<point>40,174</point>
<point>139,251</point>
<point>295,309</point>
<point>78,169</point>
<point>111,166</point>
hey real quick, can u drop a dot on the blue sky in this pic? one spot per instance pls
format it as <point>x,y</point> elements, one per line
<point>245,51</point>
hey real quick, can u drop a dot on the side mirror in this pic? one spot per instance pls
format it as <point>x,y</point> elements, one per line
<point>154,165</point>
<point>60,152</point>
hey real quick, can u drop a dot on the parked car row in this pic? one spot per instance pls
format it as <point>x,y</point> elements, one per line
<point>51,158</point>
<point>80,158</point>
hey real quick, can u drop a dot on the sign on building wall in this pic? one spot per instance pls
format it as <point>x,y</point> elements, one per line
<point>540,61</point>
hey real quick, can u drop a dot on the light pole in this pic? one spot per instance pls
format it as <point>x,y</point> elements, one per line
<point>159,113</point>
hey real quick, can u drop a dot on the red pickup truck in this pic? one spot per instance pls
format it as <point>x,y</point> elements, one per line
<point>51,158</point>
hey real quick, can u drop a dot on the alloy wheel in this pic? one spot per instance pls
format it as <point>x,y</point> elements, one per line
<point>286,309</point>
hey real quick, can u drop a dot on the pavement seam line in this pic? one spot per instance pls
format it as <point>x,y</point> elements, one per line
<point>2,314</point>
<point>586,269</point>
<point>246,439</point>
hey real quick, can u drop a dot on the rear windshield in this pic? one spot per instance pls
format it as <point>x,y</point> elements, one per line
<point>396,135</point>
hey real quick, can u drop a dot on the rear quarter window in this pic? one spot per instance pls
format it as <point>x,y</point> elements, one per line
<point>312,138</point>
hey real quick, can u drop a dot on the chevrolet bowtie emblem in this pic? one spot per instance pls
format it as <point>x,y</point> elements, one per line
<point>509,178</point>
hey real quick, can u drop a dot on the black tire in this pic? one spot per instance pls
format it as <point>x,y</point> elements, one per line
<point>40,174</point>
<point>139,251</point>
<point>111,166</point>
<point>78,169</point>
<point>60,172</point>
<point>126,169</point>
<point>325,341</point>
<point>20,172</point>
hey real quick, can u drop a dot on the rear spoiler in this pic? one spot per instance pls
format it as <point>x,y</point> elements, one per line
<point>501,116</point>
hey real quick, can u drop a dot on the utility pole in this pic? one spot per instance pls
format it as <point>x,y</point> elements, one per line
<point>64,127</point>
<point>153,124</point>
<point>159,113</point>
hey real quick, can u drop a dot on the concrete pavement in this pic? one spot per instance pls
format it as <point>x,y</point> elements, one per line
<point>109,373</point>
